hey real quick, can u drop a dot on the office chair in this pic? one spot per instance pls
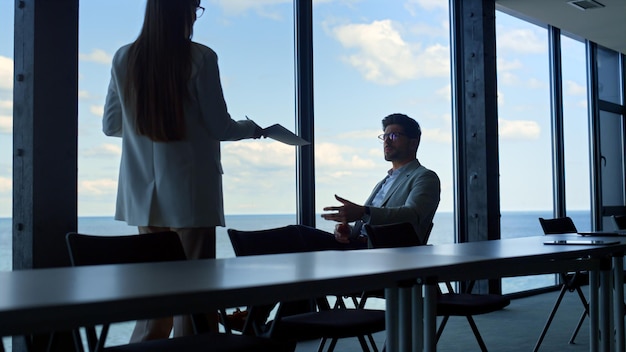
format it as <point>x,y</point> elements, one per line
<point>570,281</point>
<point>448,304</point>
<point>311,319</point>
<point>154,247</point>
<point>619,221</point>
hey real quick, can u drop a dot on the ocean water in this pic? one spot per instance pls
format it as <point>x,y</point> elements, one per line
<point>513,224</point>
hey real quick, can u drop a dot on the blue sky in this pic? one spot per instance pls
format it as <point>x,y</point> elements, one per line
<point>371,58</point>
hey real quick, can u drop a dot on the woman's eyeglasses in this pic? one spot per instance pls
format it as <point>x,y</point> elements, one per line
<point>199,11</point>
<point>392,136</point>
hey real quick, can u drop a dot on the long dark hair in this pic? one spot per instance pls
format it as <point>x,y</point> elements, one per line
<point>159,67</point>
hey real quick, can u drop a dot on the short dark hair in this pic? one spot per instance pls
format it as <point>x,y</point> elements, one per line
<point>410,126</point>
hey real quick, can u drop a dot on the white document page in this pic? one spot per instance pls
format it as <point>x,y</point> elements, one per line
<point>281,134</point>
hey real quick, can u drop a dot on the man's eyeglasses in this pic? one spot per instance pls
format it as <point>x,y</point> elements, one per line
<point>392,136</point>
<point>199,11</point>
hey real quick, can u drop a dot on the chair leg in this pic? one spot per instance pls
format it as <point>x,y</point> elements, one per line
<point>580,323</point>
<point>331,347</point>
<point>372,342</point>
<point>320,347</point>
<point>479,338</point>
<point>78,341</point>
<point>363,343</point>
<point>92,338</point>
<point>103,336</point>
<point>441,326</point>
<point>583,300</point>
<point>582,317</point>
<point>550,317</point>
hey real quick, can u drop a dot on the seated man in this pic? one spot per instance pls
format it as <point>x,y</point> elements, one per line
<point>409,192</point>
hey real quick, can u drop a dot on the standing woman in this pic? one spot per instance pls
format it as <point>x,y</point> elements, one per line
<point>165,100</point>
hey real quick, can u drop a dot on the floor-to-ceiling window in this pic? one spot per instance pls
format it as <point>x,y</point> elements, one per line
<point>6,131</point>
<point>98,155</point>
<point>576,132</point>
<point>255,45</point>
<point>371,59</point>
<point>6,136</point>
<point>524,134</point>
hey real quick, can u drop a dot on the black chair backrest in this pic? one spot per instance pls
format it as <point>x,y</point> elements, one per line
<point>141,248</point>
<point>557,225</point>
<point>271,241</point>
<point>392,235</point>
<point>619,221</point>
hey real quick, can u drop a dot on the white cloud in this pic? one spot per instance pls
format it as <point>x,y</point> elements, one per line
<point>438,135</point>
<point>6,185</point>
<point>429,5</point>
<point>445,92</point>
<point>263,153</point>
<point>6,104</point>
<point>340,157</point>
<point>83,94</point>
<point>518,129</point>
<point>521,41</point>
<point>425,30</point>
<point>501,100</point>
<point>6,73</point>
<point>505,71</point>
<point>383,56</point>
<point>6,124</point>
<point>97,110</point>
<point>98,56</point>
<point>97,187</point>
<point>360,134</point>
<point>106,149</point>
<point>534,83</point>
<point>573,88</point>
<point>508,78</point>
<point>509,65</point>
<point>260,7</point>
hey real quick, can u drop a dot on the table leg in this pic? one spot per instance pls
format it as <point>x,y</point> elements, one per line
<point>430,316</point>
<point>391,319</point>
<point>618,301</point>
<point>418,318</point>
<point>406,317</point>
<point>605,306</point>
<point>593,310</point>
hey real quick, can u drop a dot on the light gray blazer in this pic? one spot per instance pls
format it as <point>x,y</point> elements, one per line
<point>174,184</point>
<point>413,197</point>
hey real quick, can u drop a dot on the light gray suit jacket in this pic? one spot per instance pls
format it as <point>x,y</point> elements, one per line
<point>413,197</point>
<point>174,184</point>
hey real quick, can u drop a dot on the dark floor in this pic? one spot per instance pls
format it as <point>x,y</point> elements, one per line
<point>516,328</point>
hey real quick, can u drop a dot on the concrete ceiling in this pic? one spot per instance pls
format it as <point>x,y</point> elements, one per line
<point>605,26</point>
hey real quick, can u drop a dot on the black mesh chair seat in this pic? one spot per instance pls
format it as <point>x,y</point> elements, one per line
<point>464,304</point>
<point>308,319</point>
<point>336,323</point>
<point>155,247</point>
<point>214,342</point>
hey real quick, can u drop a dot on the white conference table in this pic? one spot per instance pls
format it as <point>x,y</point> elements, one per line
<point>518,257</point>
<point>45,300</point>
